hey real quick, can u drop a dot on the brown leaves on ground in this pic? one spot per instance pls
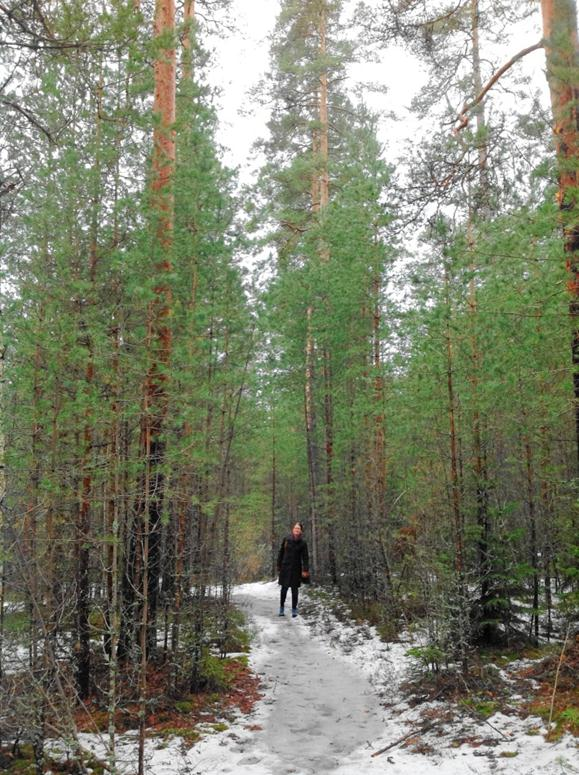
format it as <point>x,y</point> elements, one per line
<point>416,744</point>
<point>170,714</point>
<point>483,682</point>
<point>546,669</point>
<point>486,690</point>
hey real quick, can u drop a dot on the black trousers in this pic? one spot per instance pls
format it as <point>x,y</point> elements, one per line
<point>283,595</point>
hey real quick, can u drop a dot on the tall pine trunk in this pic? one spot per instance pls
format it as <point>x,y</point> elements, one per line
<point>186,479</point>
<point>378,460</point>
<point>561,48</point>
<point>478,207</point>
<point>83,521</point>
<point>162,202</point>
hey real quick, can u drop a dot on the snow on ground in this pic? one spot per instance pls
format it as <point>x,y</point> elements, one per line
<point>331,699</point>
<point>16,652</point>
<point>16,658</point>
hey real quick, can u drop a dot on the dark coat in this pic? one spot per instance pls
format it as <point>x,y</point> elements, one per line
<point>292,559</point>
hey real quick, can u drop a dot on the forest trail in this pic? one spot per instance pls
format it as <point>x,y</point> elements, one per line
<point>318,710</point>
<point>322,709</point>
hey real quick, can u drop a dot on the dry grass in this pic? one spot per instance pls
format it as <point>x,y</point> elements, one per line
<point>565,697</point>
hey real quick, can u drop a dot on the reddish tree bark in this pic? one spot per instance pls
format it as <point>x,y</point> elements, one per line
<point>561,49</point>
<point>143,550</point>
<point>163,165</point>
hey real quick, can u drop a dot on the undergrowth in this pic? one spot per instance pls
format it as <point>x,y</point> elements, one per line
<point>20,760</point>
<point>495,680</point>
<point>225,686</point>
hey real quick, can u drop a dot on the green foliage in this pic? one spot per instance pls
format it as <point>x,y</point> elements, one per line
<point>189,735</point>
<point>570,716</point>
<point>23,762</point>
<point>213,675</point>
<point>16,622</point>
<point>430,657</point>
<point>481,708</point>
<point>184,706</point>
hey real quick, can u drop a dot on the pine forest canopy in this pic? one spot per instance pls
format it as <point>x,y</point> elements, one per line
<point>378,340</point>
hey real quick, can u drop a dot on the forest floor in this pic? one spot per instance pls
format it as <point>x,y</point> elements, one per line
<point>333,695</point>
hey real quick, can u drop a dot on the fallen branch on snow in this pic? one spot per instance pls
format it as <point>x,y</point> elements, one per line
<point>423,729</point>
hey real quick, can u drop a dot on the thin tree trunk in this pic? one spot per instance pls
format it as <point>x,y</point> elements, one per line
<point>378,457</point>
<point>533,549</point>
<point>180,542</point>
<point>82,596</point>
<point>453,438</point>
<point>114,516</point>
<point>2,586</point>
<point>202,550</point>
<point>547,512</point>
<point>113,615</point>
<point>324,145</point>
<point>83,528</point>
<point>31,518</point>
<point>187,476</point>
<point>113,511</point>
<point>310,421</point>
<point>458,519</point>
<point>188,37</point>
<point>320,201</point>
<point>532,511</point>
<point>2,505</point>
<point>315,184</point>
<point>51,591</point>
<point>273,497</point>
<point>353,508</point>
<point>113,586</point>
<point>330,515</point>
<point>478,207</point>
<point>144,551</point>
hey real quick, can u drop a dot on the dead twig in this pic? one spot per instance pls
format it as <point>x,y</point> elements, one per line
<point>557,676</point>
<point>498,731</point>
<point>423,729</point>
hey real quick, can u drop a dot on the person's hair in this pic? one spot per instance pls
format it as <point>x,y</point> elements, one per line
<point>301,524</point>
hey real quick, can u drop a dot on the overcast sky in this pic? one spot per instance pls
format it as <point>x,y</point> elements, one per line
<point>242,59</point>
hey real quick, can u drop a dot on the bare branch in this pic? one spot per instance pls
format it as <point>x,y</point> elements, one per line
<point>42,18</point>
<point>463,118</point>
<point>15,106</point>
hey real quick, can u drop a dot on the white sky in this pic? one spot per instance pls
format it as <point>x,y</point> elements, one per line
<point>242,59</point>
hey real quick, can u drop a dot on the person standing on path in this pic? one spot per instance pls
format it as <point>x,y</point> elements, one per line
<point>293,567</point>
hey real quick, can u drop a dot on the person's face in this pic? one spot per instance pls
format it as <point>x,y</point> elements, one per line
<point>296,531</point>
